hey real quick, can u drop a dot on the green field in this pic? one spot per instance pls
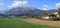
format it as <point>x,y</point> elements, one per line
<point>18,23</point>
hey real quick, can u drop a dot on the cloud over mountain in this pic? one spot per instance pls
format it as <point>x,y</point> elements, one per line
<point>18,3</point>
<point>46,7</point>
<point>58,5</point>
<point>1,4</point>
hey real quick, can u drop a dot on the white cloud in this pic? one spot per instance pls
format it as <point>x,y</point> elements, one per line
<point>25,2</point>
<point>58,5</point>
<point>1,4</point>
<point>18,3</point>
<point>45,7</point>
<point>9,6</point>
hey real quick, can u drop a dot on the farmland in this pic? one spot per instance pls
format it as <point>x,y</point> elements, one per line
<point>19,23</point>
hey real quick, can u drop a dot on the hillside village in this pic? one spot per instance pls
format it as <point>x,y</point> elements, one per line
<point>53,16</point>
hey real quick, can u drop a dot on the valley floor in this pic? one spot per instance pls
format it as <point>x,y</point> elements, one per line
<point>25,23</point>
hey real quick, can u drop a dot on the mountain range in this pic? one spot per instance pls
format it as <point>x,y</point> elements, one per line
<point>27,11</point>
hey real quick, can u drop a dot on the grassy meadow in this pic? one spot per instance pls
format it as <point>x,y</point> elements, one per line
<point>18,23</point>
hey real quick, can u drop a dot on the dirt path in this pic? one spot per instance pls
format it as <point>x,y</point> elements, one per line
<point>43,22</point>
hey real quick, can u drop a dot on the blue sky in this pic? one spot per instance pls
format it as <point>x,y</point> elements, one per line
<point>5,4</point>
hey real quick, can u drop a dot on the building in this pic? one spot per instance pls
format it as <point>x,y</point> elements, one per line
<point>52,16</point>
